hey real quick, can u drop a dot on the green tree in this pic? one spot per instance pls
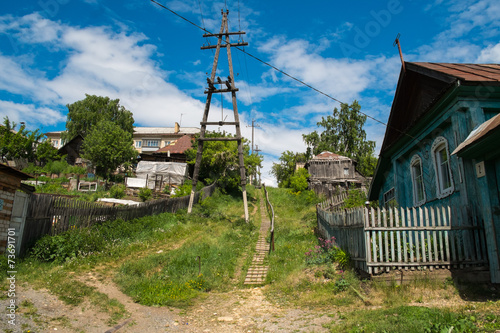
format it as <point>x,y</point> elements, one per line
<point>45,152</point>
<point>108,146</point>
<point>220,161</point>
<point>83,115</point>
<point>24,144</point>
<point>298,182</point>
<point>285,169</point>
<point>343,134</point>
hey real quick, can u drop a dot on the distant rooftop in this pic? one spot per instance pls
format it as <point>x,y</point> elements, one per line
<point>165,130</point>
<point>326,155</point>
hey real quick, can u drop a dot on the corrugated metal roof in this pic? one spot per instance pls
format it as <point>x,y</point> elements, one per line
<point>480,132</point>
<point>466,72</point>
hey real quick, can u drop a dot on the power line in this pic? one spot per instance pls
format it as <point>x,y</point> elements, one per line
<point>279,70</point>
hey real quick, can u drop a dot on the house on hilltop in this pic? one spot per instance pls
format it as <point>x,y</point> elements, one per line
<point>151,143</point>
<point>175,151</point>
<point>149,140</point>
<point>441,149</point>
<point>329,171</point>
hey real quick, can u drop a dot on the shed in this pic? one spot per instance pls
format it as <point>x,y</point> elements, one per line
<point>158,174</point>
<point>13,205</point>
<point>328,171</point>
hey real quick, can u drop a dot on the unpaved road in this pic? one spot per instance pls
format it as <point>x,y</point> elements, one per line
<point>242,310</point>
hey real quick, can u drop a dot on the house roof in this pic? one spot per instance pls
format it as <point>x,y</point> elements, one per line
<point>466,72</point>
<point>326,155</point>
<point>177,147</point>
<point>423,84</point>
<point>14,172</point>
<point>421,88</point>
<point>164,130</point>
<point>481,141</point>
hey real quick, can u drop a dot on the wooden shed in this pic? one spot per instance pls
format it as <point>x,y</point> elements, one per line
<point>13,204</point>
<point>329,172</point>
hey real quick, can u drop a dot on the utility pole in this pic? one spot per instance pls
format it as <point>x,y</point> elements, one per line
<point>229,87</point>
<point>253,127</point>
<point>258,166</point>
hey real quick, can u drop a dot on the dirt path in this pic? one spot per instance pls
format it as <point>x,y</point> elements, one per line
<point>242,310</point>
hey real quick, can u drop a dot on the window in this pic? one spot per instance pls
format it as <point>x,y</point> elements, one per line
<point>151,143</point>
<point>346,171</point>
<point>417,179</point>
<point>390,198</point>
<point>444,180</point>
<point>55,143</point>
<point>138,144</point>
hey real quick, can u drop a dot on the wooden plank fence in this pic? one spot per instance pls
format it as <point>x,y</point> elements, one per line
<point>49,214</point>
<point>334,201</point>
<point>406,238</point>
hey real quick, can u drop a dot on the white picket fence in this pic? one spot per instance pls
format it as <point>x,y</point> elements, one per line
<point>411,238</point>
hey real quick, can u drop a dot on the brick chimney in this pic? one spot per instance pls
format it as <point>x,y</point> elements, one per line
<point>177,128</point>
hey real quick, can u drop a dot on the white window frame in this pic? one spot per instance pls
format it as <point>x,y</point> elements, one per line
<point>393,198</point>
<point>138,144</point>
<point>346,172</point>
<point>439,144</point>
<point>416,162</point>
<point>149,141</point>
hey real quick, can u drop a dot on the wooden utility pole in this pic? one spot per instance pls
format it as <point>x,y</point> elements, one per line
<point>253,126</point>
<point>258,166</point>
<point>229,87</point>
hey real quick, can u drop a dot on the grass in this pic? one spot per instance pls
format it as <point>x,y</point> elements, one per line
<point>165,248</point>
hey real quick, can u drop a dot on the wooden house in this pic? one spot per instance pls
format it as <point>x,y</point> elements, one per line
<point>13,206</point>
<point>329,172</point>
<point>73,150</point>
<point>176,150</point>
<point>441,148</point>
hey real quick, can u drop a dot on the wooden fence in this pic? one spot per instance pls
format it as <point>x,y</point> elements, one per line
<point>334,201</point>
<point>412,238</point>
<point>49,214</point>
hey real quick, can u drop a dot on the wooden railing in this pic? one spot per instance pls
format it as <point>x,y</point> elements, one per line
<point>270,211</point>
<point>412,238</point>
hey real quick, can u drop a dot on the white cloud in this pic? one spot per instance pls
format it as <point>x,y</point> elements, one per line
<point>32,115</point>
<point>491,54</point>
<point>344,79</point>
<point>97,61</point>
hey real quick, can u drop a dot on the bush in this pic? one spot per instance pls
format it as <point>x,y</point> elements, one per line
<point>117,191</point>
<point>185,189</point>
<point>145,193</point>
<point>70,244</point>
<point>298,182</point>
<point>356,198</point>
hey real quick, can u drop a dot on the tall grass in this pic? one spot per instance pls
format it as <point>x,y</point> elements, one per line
<point>167,259</point>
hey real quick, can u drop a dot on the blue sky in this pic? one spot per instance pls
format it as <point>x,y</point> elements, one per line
<point>53,52</point>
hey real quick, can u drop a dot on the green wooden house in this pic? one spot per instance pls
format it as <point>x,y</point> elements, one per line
<point>442,147</point>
